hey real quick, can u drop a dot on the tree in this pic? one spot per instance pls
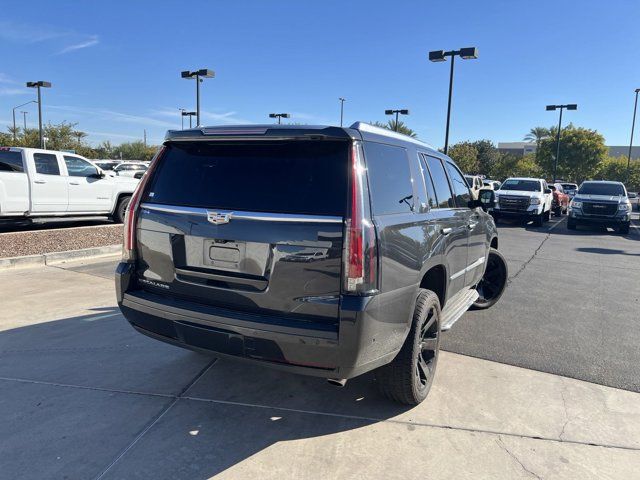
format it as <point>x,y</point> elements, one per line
<point>536,134</point>
<point>581,153</point>
<point>488,156</point>
<point>402,127</point>
<point>615,168</point>
<point>465,154</point>
<point>134,151</point>
<point>509,165</point>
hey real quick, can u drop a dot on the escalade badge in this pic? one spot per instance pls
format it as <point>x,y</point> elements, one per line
<point>218,218</point>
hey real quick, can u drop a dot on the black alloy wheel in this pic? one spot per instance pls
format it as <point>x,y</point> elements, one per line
<point>494,281</point>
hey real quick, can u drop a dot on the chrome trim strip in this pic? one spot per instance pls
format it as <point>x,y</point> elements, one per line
<point>468,268</point>
<point>236,215</point>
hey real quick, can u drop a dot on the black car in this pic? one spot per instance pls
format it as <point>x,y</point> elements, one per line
<point>394,249</point>
<point>601,203</point>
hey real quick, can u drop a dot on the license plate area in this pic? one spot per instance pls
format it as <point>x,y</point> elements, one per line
<point>224,254</point>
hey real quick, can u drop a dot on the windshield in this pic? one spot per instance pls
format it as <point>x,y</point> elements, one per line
<point>521,185</point>
<point>601,189</point>
<point>569,186</point>
<point>469,180</point>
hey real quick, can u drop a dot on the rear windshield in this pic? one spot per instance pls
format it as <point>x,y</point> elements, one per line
<point>305,177</point>
<point>601,189</point>
<point>521,185</point>
<point>569,186</point>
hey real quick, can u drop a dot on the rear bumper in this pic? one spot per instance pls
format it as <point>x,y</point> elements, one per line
<point>348,352</point>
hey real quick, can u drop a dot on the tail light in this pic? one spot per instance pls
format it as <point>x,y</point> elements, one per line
<point>131,217</point>
<point>360,250</point>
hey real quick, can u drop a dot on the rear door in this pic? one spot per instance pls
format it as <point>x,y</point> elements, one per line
<point>254,227</point>
<point>87,191</point>
<point>49,189</point>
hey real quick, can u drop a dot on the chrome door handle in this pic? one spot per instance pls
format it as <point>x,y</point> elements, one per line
<point>72,183</point>
<point>447,231</point>
<point>39,181</point>
<point>472,225</point>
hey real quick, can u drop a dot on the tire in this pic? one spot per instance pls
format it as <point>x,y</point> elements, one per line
<point>494,281</point>
<point>121,209</point>
<point>546,216</point>
<point>571,225</point>
<point>496,217</point>
<point>408,378</point>
<point>623,228</point>
<point>557,212</point>
<point>538,220</point>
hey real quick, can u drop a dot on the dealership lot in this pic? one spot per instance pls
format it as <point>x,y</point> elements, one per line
<point>84,396</point>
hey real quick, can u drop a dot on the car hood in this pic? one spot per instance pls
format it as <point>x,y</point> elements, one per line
<point>599,198</point>
<point>519,193</point>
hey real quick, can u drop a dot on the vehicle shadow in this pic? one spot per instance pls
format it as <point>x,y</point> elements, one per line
<point>606,251</point>
<point>230,414</point>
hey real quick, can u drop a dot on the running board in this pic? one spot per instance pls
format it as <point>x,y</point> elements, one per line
<point>456,307</point>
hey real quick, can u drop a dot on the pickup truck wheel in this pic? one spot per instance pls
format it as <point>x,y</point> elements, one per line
<point>623,228</point>
<point>121,209</point>
<point>493,282</point>
<point>571,225</point>
<point>538,220</point>
<point>408,378</point>
<point>547,216</point>
<point>557,212</point>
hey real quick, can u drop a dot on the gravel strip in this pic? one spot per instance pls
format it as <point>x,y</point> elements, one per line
<point>37,242</point>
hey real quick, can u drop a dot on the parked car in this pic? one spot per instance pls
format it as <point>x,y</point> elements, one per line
<point>570,189</point>
<point>526,198</point>
<point>492,184</point>
<point>130,169</point>
<point>475,185</point>
<point>601,203</point>
<point>406,251</point>
<point>560,200</point>
<point>107,165</point>
<point>46,184</point>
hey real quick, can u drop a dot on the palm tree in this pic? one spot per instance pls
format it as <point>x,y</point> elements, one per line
<point>401,127</point>
<point>80,136</point>
<point>536,135</point>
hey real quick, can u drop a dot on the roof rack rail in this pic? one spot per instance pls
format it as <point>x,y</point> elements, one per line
<point>367,127</point>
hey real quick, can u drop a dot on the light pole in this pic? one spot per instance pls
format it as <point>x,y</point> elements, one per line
<point>633,125</point>
<point>342,100</point>
<point>190,115</point>
<point>279,116</point>
<point>24,118</point>
<point>198,75</point>
<point>468,53</point>
<point>182,110</point>
<point>403,111</point>
<point>570,106</point>
<point>39,84</point>
<point>14,117</point>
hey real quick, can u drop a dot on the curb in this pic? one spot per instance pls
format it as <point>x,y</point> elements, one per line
<point>56,258</point>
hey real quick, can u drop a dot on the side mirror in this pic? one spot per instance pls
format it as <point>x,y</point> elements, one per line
<point>486,200</point>
<point>547,190</point>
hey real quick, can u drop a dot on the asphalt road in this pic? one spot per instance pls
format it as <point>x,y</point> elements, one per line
<point>572,306</point>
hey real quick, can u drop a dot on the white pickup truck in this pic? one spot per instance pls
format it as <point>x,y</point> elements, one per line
<point>527,198</point>
<point>42,185</point>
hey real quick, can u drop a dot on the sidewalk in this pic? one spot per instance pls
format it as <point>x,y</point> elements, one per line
<point>83,395</point>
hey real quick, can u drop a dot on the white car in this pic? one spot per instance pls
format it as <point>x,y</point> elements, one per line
<point>130,169</point>
<point>46,184</point>
<point>475,185</point>
<point>526,198</point>
<point>491,184</point>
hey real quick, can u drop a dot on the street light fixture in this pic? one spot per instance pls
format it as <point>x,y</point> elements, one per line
<point>190,115</point>
<point>182,110</point>
<point>403,111</point>
<point>14,117</point>
<point>468,53</point>
<point>633,125</point>
<point>198,75</point>
<point>342,100</point>
<point>39,84</point>
<point>279,116</point>
<point>569,106</point>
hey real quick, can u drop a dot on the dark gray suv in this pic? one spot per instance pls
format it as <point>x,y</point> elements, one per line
<point>324,251</point>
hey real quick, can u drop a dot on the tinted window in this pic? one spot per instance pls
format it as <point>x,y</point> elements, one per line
<point>46,163</point>
<point>431,192</point>
<point>601,189</point>
<point>305,177</point>
<point>11,161</point>
<point>76,167</point>
<point>440,182</point>
<point>521,185</point>
<point>389,178</point>
<point>460,187</point>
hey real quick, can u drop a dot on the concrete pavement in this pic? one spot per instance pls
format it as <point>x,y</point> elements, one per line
<point>82,395</point>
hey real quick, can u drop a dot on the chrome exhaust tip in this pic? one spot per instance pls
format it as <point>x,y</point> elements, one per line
<point>337,382</point>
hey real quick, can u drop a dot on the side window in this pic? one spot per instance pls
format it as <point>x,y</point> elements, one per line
<point>460,187</point>
<point>46,164</point>
<point>440,182</point>
<point>389,178</point>
<point>76,167</point>
<point>11,161</point>
<point>428,182</point>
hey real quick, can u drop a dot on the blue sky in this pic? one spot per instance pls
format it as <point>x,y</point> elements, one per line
<point>115,66</point>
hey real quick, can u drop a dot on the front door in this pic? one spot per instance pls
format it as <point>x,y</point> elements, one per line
<point>49,189</point>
